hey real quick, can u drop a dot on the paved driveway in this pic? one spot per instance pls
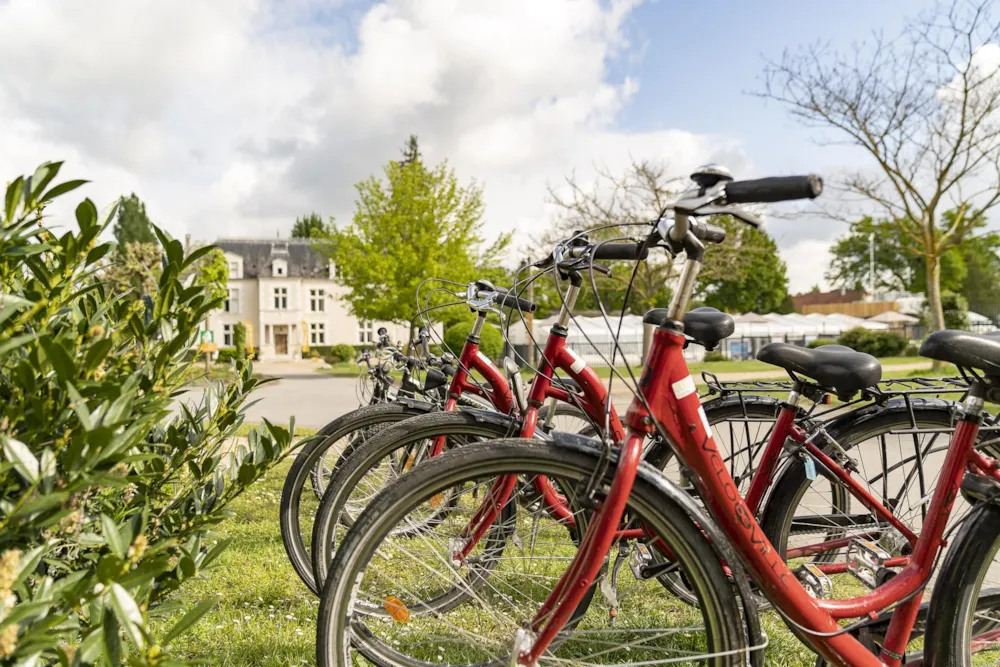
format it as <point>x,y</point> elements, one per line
<point>313,399</point>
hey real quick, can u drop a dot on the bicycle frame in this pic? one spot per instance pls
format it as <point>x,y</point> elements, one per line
<point>594,401</point>
<point>669,391</point>
<point>786,429</point>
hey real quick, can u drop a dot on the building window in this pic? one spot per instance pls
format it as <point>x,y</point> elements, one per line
<point>317,300</point>
<point>364,332</point>
<point>234,269</point>
<point>281,298</point>
<point>227,335</point>
<point>317,333</point>
<point>232,304</point>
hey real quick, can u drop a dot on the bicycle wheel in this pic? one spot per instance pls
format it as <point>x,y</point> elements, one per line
<point>820,520</point>
<point>383,459</point>
<point>375,570</point>
<point>963,625</point>
<point>298,504</point>
<point>321,472</point>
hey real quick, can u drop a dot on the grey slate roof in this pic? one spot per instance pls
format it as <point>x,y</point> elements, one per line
<point>258,256</point>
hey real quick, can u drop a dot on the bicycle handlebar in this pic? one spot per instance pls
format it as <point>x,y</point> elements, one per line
<point>508,300</point>
<point>774,189</point>
<point>623,251</point>
<point>707,232</point>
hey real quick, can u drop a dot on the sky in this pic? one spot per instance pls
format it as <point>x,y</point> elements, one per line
<point>232,117</point>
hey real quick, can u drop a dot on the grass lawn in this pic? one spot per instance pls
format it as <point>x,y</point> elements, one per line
<point>265,616</point>
<point>343,369</point>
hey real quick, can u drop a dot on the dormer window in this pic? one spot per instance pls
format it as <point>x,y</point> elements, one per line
<point>280,267</point>
<point>235,266</point>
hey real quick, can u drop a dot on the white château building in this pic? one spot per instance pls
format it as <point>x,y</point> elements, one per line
<point>287,297</point>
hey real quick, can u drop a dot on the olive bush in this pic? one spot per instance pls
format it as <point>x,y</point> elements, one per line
<point>110,485</point>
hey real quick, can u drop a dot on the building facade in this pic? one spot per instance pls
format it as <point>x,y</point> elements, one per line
<point>287,297</point>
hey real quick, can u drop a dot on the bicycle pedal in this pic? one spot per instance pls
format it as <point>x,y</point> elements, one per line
<point>864,560</point>
<point>893,541</point>
<point>815,581</point>
<point>640,560</point>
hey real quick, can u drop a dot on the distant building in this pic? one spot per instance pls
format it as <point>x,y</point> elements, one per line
<point>287,296</point>
<point>801,301</point>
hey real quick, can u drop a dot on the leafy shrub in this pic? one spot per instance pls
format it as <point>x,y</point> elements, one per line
<point>240,340</point>
<point>820,342</point>
<point>715,356</point>
<point>225,355</point>
<point>911,350</point>
<point>490,340</point>
<point>107,503</point>
<point>342,352</point>
<point>875,343</point>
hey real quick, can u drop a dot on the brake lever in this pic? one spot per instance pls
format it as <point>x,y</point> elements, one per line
<point>600,268</point>
<point>747,217</point>
<point>737,213</point>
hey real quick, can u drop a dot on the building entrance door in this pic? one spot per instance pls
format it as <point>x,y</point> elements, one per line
<point>281,340</point>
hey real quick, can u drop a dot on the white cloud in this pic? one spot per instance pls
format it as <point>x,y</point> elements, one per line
<point>806,262</point>
<point>232,117</point>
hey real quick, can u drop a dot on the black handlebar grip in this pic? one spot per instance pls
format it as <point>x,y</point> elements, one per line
<point>775,189</point>
<point>511,301</point>
<point>626,251</point>
<point>708,232</point>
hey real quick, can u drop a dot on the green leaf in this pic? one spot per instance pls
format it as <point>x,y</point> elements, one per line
<point>61,363</point>
<point>198,254</point>
<point>187,620</point>
<point>246,473</point>
<point>97,253</point>
<point>90,647</point>
<point>112,642</point>
<point>29,562</point>
<point>24,461</point>
<point>13,199</point>
<point>79,406</point>
<point>16,341</point>
<point>62,189</point>
<point>86,215</point>
<point>42,177</point>
<point>112,537</point>
<point>128,613</point>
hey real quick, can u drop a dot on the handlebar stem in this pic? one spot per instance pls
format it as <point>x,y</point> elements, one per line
<point>477,326</point>
<point>568,303</point>
<point>678,232</point>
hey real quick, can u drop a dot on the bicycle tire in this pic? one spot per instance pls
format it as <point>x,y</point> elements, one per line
<point>301,470</point>
<point>332,511</point>
<point>336,627</point>
<point>958,594</point>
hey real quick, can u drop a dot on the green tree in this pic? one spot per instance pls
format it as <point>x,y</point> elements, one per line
<point>411,151</point>
<point>760,286</point>
<point>923,107</point>
<point>133,225</point>
<point>134,268</point>
<point>982,267</point>
<point>309,227</point>
<point>971,269</point>
<point>413,223</point>
<point>898,262</point>
<point>212,272</point>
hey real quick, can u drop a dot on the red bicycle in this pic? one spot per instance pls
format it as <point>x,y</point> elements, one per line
<point>546,620</point>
